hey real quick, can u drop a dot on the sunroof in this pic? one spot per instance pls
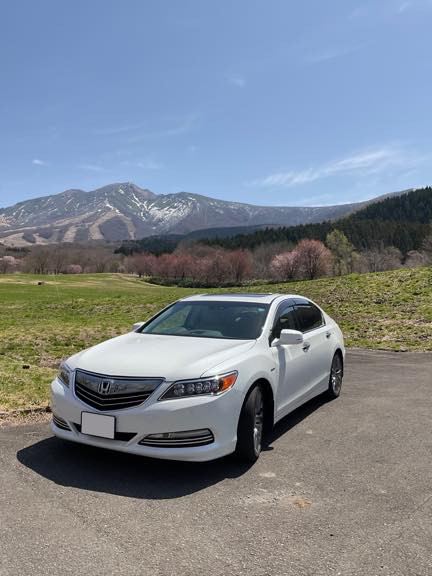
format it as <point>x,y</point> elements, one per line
<point>239,295</point>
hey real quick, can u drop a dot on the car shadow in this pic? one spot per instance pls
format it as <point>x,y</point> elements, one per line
<point>294,418</point>
<point>89,468</point>
<point>99,470</point>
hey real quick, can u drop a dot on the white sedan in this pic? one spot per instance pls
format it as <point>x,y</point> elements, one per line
<point>207,376</point>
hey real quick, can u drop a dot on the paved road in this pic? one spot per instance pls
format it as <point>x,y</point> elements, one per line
<point>345,487</point>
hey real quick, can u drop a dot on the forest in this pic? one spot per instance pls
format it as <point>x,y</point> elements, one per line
<point>402,221</point>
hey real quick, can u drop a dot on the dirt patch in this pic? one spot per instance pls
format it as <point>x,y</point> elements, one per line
<point>277,498</point>
<point>302,503</point>
<point>22,418</point>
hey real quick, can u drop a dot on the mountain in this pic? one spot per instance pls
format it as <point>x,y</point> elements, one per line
<point>401,220</point>
<point>125,211</point>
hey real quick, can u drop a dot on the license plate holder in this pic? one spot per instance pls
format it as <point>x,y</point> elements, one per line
<point>99,425</point>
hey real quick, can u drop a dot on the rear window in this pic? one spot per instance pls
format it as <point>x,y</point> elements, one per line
<point>309,316</point>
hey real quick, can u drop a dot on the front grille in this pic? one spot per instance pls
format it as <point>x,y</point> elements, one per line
<point>186,439</point>
<point>113,392</point>
<point>60,423</point>
<point>122,436</point>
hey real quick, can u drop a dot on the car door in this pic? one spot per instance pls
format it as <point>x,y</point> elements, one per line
<point>316,346</point>
<point>291,376</point>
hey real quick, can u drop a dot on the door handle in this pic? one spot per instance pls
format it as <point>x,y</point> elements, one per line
<point>306,346</point>
<point>328,334</point>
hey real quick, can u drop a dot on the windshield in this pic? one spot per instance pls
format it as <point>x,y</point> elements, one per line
<point>233,320</point>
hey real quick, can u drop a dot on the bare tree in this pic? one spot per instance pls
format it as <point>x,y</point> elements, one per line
<point>144,264</point>
<point>59,259</point>
<point>38,260</point>
<point>99,259</point>
<point>379,260</point>
<point>415,259</point>
<point>241,265</point>
<point>264,254</point>
<point>427,248</point>
<point>359,263</point>
<point>8,264</point>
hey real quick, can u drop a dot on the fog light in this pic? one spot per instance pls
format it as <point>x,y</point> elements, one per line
<point>183,439</point>
<point>186,434</point>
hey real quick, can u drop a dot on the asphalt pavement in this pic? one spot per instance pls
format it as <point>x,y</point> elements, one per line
<point>344,487</point>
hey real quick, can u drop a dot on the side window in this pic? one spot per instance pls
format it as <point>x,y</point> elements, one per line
<point>285,320</point>
<point>309,316</point>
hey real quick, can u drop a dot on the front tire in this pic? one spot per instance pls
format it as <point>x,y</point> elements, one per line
<point>251,426</point>
<point>336,376</point>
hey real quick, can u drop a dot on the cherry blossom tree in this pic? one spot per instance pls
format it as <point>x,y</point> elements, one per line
<point>285,266</point>
<point>314,258</point>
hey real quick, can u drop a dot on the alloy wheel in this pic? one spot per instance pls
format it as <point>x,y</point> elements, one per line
<point>336,375</point>
<point>258,421</point>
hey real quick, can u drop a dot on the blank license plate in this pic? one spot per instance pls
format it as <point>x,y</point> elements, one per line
<point>97,425</point>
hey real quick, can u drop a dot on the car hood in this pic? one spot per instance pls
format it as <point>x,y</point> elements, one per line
<point>169,357</point>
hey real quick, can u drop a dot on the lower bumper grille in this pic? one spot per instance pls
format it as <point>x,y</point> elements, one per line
<point>187,439</point>
<point>60,423</point>
<point>122,436</point>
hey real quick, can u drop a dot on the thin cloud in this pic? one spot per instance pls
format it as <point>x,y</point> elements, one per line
<point>141,131</point>
<point>367,162</point>
<point>148,164</point>
<point>124,129</point>
<point>91,167</point>
<point>333,54</point>
<point>404,7</point>
<point>358,12</point>
<point>409,4</point>
<point>237,80</point>
<point>184,127</point>
<point>385,9</point>
<point>39,162</point>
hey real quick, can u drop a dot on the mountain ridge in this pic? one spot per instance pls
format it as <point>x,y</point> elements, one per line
<point>125,211</point>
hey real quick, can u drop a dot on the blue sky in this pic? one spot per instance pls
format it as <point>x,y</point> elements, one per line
<point>268,102</point>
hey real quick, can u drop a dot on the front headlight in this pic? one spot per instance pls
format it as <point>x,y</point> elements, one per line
<point>200,387</point>
<point>64,374</point>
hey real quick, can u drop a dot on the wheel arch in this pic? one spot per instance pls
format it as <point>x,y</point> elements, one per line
<point>268,401</point>
<point>339,352</point>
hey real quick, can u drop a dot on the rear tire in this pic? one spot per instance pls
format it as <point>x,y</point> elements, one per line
<point>336,376</point>
<point>251,426</point>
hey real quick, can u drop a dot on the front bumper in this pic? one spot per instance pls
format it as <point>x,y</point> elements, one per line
<point>219,414</point>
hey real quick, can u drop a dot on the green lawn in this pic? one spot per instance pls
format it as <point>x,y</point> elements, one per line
<point>40,325</point>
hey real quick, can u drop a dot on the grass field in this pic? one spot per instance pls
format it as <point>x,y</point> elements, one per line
<point>40,325</point>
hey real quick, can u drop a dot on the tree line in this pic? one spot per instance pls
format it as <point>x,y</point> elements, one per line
<point>59,259</point>
<point>205,265</point>
<point>363,234</point>
<point>308,259</point>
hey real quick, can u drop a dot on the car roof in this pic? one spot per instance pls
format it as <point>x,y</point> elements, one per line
<point>259,298</point>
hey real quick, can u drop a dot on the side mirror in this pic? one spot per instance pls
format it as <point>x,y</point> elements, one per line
<point>136,326</point>
<point>288,337</point>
